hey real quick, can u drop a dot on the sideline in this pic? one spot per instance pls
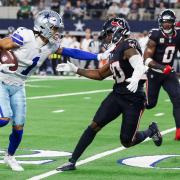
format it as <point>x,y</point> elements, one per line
<point>92,158</point>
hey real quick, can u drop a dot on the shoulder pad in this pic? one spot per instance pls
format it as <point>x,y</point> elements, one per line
<point>21,35</point>
<point>132,43</point>
<point>154,34</point>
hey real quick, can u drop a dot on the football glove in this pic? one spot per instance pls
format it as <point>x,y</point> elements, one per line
<point>177,136</point>
<point>167,69</point>
<point>105,55</point>
<point>67,67</point>
<point>5,68</point>
<point>133,84</point>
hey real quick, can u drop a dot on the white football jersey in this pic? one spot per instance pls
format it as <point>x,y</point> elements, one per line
<point>30,55</point>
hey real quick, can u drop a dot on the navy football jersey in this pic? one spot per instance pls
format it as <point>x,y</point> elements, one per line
<point>120,66</point>
<point>166,46</point>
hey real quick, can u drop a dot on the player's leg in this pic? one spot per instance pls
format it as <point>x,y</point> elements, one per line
<point>5,109</point>
<point>172,87</point>
<point>153,85</point>
<point>108,111</point>
<point>18,105</point>
<point>130,135</point>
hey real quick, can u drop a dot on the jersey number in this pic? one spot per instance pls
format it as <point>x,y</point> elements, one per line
<point>118,73</point>
<point>29,68</point>
<point>168,55</point>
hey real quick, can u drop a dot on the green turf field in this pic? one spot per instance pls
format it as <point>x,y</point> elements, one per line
<point>60,130</point>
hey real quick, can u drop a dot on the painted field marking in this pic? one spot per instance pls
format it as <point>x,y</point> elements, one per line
<point>87,98</point>
<point>58,111</point>
<point>159,114</point>
<point>49,78</point>
<point>70,94</point>
<point>93,158</point>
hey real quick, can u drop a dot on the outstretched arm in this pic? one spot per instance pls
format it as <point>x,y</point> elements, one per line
<point>77,54</point>
<point>84,55</point>
<point>96,74</point>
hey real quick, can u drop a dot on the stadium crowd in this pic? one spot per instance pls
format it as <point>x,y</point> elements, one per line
<point>87,9</point>
<point>90,9</point>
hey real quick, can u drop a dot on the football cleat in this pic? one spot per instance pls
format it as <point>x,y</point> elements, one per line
<point>12,163</point>
<point>156,135</point>
<point>67,167</point>
<point>177,136</point>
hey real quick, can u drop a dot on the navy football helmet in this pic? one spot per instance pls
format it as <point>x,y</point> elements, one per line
<point>167,16</point>
<point>118,27</point>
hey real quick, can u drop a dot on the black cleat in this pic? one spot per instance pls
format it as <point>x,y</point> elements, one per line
<point>156,135</point>
<point>67,167</point>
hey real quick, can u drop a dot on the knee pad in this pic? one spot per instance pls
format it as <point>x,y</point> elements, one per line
<point>95,127</point>
<point>4,121</point>
<point>126,141</point>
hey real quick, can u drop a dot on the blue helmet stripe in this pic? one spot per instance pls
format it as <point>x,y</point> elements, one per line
<point>17,41</point>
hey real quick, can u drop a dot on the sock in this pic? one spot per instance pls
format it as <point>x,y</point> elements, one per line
<point>141,136</point>
<point>86,139</point>
<point>14,141</point>
<point>4,121</point>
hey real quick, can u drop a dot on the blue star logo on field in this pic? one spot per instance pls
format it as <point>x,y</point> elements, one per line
<point>147,161</point>
<point>32,155</point>
<point>79,26</point>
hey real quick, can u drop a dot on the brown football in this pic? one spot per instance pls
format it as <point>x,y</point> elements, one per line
<point>8,57</point>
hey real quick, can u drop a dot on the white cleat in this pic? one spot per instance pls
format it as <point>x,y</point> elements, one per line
<point>12,163</point>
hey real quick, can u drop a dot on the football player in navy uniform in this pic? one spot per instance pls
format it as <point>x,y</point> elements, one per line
<point>127,98</point>
<point>159,55</point>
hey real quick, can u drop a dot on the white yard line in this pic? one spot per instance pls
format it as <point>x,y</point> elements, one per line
<point>58,111</point>
<point>92,158</point>
<point>70,94</point>
<point>47,78</point>
<point>159,114</point>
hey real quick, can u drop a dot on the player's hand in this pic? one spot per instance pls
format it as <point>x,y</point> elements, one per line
<point>167,69</point>
<point>67,67</point>
<point>133,84</point>
<point>105,55</point>
<point>5,68</point>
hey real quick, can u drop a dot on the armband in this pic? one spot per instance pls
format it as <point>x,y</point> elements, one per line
<point>147,61</point>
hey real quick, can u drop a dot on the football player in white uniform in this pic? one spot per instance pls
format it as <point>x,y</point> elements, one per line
<point>31,47</point>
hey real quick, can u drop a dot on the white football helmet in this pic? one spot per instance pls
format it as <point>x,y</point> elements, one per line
<point>46,21</point>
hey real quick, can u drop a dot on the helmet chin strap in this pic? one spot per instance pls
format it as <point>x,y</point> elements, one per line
<point>170,31</point>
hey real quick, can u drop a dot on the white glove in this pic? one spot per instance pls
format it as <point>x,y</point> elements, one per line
<point>133,84</point>
<point>67,67</point>
<point>106,54</point>
<point>5,68</point>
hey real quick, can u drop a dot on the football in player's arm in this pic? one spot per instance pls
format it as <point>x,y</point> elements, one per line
<point>159,56</point>
<point>127,98</point>
<point>31,48</point>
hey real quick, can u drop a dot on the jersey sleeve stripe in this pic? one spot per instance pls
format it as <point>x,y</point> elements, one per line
<point>17,41</point>
<point>18,36</point>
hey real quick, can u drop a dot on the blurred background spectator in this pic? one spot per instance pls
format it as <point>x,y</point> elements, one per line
<point>94,47</point>
<point>84,44</point>
<point>79,12</point>
<point>24,10</point>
